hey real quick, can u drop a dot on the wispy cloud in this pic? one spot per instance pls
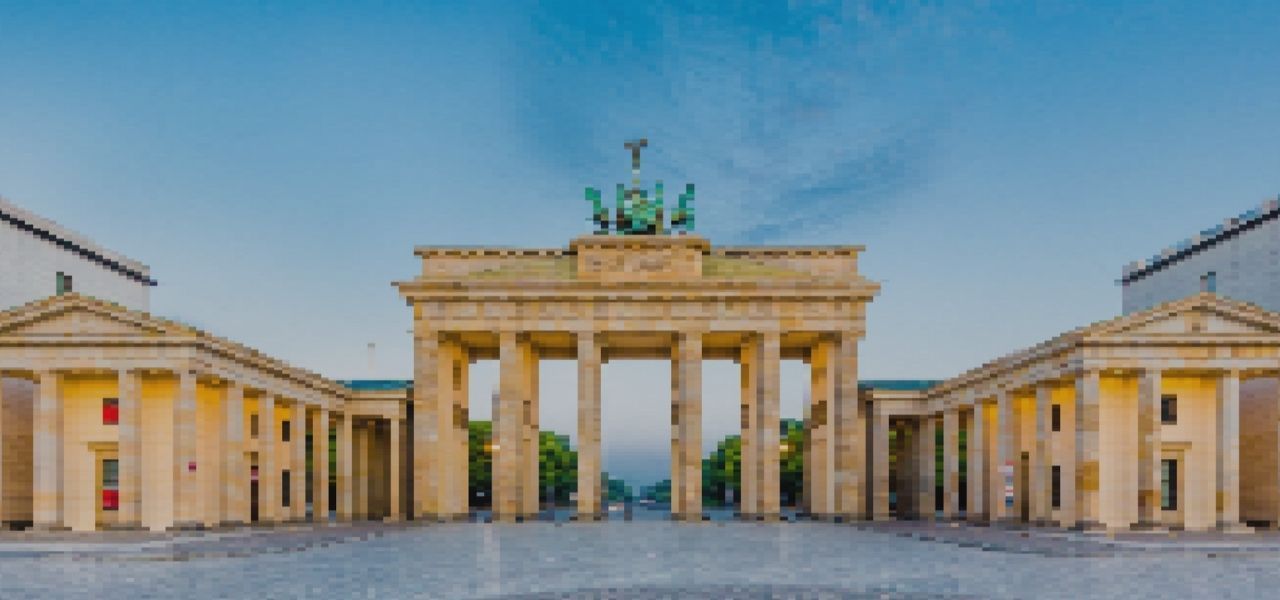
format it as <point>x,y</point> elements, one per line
<point>786,115</point>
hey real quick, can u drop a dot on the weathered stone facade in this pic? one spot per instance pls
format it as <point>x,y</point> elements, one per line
<point>615,297</point>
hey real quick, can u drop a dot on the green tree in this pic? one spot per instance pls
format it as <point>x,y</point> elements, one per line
<point>791,461</point>
<point>480,463</point>
<point>557,467</point>
<point>615,490</point>
<point>722,469</point>
<point>721,473</point>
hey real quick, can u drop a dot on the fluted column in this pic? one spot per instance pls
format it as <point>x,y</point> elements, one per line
<point>849,432</point>
<point>428,425</point>
<point>1041,477</point>
<point>129,390</point>
<point>588,426</point>
<point>395,511</point>
<point>508,424</point>
<point>346,492</point>
<point>184,452</point>
<point>687,427</point>
<point>320,465</point>
<point>1087,449</point>
<point>820,449</point>
<point>1228,434</point>
<point>458,501</point>
<point>926,467</point>
<point>268,471</point>
<point>977,480</point>
<point>1149,449</point>
<point>950,463</point>
<point>235,476</point>
<point>360,473</point>
<point>768,407</point>
<point>748,361</point>
<point>880,462</point>
<point>1007,458</point>
<point>47,489</point>
<point>298,462</point>
<point>530,488</point>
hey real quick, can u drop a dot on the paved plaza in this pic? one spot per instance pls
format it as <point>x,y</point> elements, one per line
<point>639,559</point>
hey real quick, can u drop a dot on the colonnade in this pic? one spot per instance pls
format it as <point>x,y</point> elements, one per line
<point>183,449</point>
<point>1089,450</point>
<point>834,487</point>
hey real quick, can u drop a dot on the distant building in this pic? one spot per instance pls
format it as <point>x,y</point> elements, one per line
<point>1239,258</point>
<point>39,258</point>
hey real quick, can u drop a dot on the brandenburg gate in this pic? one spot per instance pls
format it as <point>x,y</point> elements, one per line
<point>650,290</point>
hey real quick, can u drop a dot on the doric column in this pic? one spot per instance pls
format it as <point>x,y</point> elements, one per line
<point>977,480</point>
<point>1042,462</point>
<point>298,462</point>
<point>129,390</point>
<point>320,465</point>
<point>1006,458</point>
<point>686,391</point>
<point>458,501</point>
<point>47,496</point>
<point>1228,480</point>
<point>235,476</point>
<point>268,472</point>
<point>880,462</point>
<point>346,493</point>
<point>360,473</point>
<point>1087,451</point>
<point>428,425</point>
<point>748,360</point>
<point>1149,449</point>
<point>184,452</point>
<point>926,467</point>
<point>446,442</point>
<point>819,452</point>
<point>950,463</point>
<point>849,432</point>
<point>508,424</point>
<point>530,487</point>
<point>395,514</point>
<point>768,407</point>
<point>588,426</point>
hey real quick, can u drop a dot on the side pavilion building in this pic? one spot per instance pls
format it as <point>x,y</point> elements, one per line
<point>1163,418</point>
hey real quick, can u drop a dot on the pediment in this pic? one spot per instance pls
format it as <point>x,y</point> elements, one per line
<point>80,320</point>
<point>1203,320</point>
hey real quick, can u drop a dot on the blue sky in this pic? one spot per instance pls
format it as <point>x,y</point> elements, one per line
<point>275,165</point>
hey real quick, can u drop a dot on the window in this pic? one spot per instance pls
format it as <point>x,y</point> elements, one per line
<point>1055,488</point>
<point>110,411</point>
<point>284,433</point>
<point>1055,415</point>
<point>62,283</point>
<point>285,488</point>
<point>110,484</point>
<point>253,426</point>
<point>1209,282</point>
<point>1169,484</point>
<point>1169,409</point>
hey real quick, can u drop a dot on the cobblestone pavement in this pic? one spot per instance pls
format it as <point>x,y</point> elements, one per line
<point>642,559</point>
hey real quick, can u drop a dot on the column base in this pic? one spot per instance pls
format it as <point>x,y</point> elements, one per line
<point>1148,526</point>
<point>49,527</point>
<point>187,526</point>
<point>1233,527</point>
<point>1088,527</point>
<point>126,526</point>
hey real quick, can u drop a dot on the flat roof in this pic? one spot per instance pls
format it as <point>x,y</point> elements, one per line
<point>1208,238</point>
<point>73,242</point>
<point>901,385</point>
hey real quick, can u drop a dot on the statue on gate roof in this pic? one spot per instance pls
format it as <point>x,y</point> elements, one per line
<point>636,214</point>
